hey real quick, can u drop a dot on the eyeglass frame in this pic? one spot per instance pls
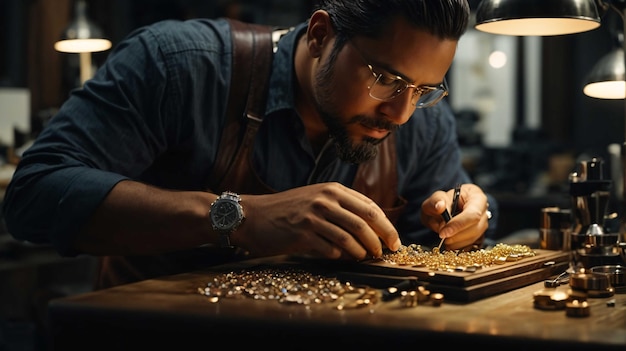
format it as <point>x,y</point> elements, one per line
<point>419,89</point>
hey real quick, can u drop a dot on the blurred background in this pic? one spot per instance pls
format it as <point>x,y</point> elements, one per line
<point>523,120</point>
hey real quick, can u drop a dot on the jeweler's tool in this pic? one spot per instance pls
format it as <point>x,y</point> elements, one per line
<point>561,279</point>
<point>455,200</point>
<point>446,215</point>
<point>455,210</point>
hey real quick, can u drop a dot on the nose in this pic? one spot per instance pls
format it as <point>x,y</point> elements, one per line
<point>400,109</point>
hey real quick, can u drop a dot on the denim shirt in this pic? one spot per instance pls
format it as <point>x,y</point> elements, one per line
<point>154,113</point>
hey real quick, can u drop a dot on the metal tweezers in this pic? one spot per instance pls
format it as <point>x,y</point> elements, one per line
<point>455,209</point>
<point>561,279</point>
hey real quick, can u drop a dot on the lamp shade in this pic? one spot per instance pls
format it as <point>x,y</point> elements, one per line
<point>536,17</point>
<point>82,35</point>
<point>607,79</point>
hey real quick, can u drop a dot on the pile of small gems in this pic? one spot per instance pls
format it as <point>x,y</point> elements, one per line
<point>416,256</point>
<point>288,285</point>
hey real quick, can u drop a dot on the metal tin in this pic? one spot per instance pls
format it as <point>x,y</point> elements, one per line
<point>595,285</point>
<point>615,273</point>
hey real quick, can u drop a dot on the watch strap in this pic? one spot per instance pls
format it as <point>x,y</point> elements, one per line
<point>225,241</point>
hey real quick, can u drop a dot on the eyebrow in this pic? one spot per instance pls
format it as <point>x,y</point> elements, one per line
<point>377,67</point>
<point>390,71</point>
<point>385,67</point>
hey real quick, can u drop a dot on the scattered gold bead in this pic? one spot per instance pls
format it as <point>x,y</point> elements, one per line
<point>289,286</point>
<point>437,299</point>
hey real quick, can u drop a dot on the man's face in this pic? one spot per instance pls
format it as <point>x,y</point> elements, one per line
<point>352,145</point>
<point>356,121</point>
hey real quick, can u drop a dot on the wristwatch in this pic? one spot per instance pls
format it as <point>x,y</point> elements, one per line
<point>226,215</point>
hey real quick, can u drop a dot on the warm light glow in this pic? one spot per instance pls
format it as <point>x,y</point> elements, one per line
<point>497,59</point>
<point>82,45</point>
<point>538,26</point>
<point>606,90</point>
<point>559,296</point>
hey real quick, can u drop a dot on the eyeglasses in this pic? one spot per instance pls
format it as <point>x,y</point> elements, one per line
<point>388,87</point>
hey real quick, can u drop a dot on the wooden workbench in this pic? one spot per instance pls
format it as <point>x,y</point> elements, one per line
<point>170,312</point>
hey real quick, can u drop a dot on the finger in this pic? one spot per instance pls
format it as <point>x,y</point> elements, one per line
<point>362,217</point>
<point>340,225</point>
<point>433,209</point>
<point>436,203</point>
<point>472,207</point>
<point>467,218</point>
<point>375,218</point>
<point>332,230</point>
<point>353,233</point>
<point>466,230</point>
<point>467,236</point>
<point>459,241</point>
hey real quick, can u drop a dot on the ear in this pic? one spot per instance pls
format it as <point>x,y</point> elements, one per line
<point>319,32</point>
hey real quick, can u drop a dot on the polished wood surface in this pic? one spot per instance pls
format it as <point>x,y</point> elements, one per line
<point>170,311</point>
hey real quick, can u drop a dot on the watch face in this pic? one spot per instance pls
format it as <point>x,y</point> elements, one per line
<point>225,215</point>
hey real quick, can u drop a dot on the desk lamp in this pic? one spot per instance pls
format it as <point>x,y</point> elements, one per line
<point>606,78</point>
<point>536,17</point>
<point>83,37</point>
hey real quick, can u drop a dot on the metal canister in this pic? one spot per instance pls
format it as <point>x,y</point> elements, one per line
<point>556,229</point>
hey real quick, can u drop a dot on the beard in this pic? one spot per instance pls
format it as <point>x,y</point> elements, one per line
<point>348,150</point>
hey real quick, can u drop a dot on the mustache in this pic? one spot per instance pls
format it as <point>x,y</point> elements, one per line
<point>376,123</point>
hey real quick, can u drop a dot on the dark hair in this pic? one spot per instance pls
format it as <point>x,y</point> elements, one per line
<point>447,19</point>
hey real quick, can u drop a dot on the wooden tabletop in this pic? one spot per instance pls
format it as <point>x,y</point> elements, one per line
<point>170,311</point>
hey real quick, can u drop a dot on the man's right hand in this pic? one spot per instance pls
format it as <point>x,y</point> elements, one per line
<point>325,220</point>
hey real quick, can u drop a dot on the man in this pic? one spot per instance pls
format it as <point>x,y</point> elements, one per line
<point>122,170</point>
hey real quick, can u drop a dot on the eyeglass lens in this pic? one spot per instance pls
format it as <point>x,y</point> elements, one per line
<point>387,88</point>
